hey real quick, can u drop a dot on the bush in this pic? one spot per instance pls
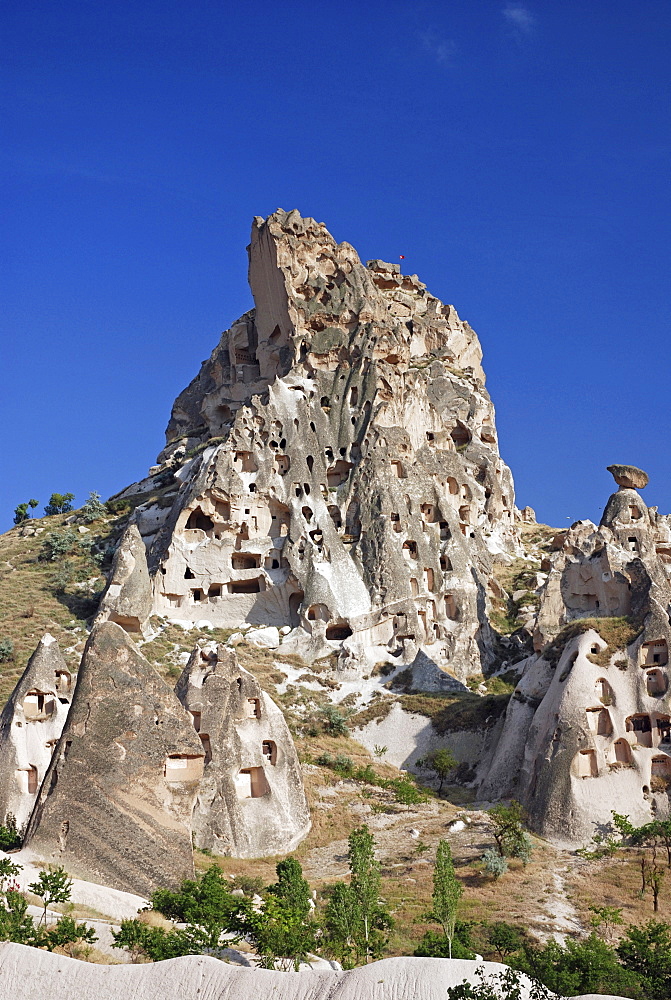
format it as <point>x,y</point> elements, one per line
<point>6,650</point>
<point>9,835</point>
<point>57,544</point>
<point>494,864</point>
<point>434,944</point>
<point>334,721</point>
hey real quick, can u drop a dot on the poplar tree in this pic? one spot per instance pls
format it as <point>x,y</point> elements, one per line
<point>447,891</point>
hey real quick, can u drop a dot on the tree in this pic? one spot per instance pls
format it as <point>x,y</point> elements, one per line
<point>52,886</point>
<point>504,938</point>
<point>206,905</point>
<point>512,841</point>
<point>354,918</point>
<point>284,930</point>
<point>447,891</point>
<point>93,509</point>
<point>587,966</point>
<point>9,835</point>
<point>646,951</point>
<point>435,945</point>
<point>608,917</point>
<point>59,503</point>
<point>442,762</point>
<point>406,792</point>
<point>21,512</point>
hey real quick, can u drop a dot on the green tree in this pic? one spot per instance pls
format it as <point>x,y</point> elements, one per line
<point>59,503</point>
<point>587,966</point>
<point>646,952</point>
<point>22,513</point>
<point>64,932</point>
<point>434,944</point>
<point>447,891</point>
<point>512,841</point>
<point>333,721</point>
<point>608,917</point>
<point>355,919</point>
<point>284,930</point>
<point>57,544</point>
<point>441,762</point>
<point>504,938</point>
<point>8,870</point>
<point>206,905</point>
<point>15,923</point>
<point>53,886</point>
<point>93,509</point>
<point>406,792</point>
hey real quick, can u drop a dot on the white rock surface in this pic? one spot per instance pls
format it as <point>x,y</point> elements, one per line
<point>29,974</point>
<point>267,637</point>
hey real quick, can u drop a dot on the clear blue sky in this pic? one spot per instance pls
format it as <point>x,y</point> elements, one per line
<point>516,153</point>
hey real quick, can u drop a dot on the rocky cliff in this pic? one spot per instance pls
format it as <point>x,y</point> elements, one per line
<point>588,729</point>
<point>334,466</point>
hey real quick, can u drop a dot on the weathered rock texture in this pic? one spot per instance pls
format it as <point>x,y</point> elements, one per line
<point>29,974</point>
<point>117,800</point>
<point>250,801</point>
<point>30,727</point>
<point>588,729</point>
<point>127,599</point>
<point>337,465</point>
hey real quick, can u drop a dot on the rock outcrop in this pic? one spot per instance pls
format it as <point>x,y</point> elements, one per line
<point>251,801</point>
<point>588,729</point>
<point>28,974</point>
<point>127,599</point>
<point>117,800</point>
<point>335,465</point>
<point>30,727</point>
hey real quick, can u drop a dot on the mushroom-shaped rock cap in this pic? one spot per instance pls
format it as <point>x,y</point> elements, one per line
<point>628,476</point>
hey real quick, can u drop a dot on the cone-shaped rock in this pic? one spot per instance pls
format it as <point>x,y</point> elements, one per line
<point>338,465</point>
<point>588,729</point>
<point>251,801</point>
<point>30,726</point>
<point>116,803</point>
<point>127,598</point>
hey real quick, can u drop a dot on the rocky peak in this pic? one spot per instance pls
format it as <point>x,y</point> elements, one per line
<point>336,466</point>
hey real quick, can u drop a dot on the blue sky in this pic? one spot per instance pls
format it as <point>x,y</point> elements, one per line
<point>517,154</point>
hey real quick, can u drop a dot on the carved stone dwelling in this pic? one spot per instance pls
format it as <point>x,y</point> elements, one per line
<point>30,727</point>
<point>117,800</point>
<point>588,728</point>
<point>335,464</point>
<point>250,800</point>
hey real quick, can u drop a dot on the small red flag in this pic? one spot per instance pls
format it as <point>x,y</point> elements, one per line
<point>401,257</point>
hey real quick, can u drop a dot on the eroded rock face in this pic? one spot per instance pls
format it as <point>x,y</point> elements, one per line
<point>588,728</point>
<point>629,477</point>
<point>127,599</point>
<point>117,800</point>
<point>251,801</point>
<point>337,465</point>
<point>30,727</point>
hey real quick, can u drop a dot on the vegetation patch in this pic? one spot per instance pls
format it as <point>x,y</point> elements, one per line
<point>457,711</point>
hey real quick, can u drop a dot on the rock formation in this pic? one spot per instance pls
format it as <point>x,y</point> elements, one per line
<point>127,597</point>
<point>250,801</point>
<point>117,800</point>
<point>335,465</point>
<point>588,729</point>
<point>30,727</point>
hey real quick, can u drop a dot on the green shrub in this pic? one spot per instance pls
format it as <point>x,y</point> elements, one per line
<point>6,650</point>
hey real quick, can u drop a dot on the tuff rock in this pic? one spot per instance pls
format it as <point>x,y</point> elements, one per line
<point>116,803</point>
<point>588,728</point>
<point>335,466</point>
<point>30,727</point>
<point>250,799</point>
